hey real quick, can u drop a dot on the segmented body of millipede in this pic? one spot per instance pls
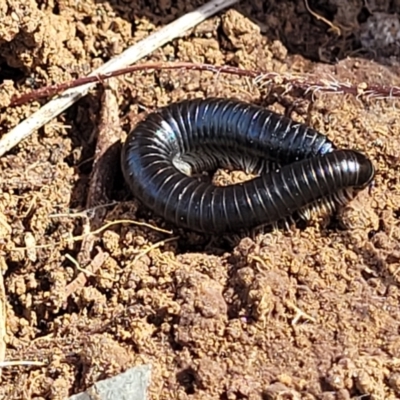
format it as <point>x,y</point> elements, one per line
<point>298,167</point>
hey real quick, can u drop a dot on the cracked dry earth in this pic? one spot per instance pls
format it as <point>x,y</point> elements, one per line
<point>310,313</point>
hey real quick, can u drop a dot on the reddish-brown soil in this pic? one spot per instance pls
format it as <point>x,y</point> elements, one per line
<point>309,313</point>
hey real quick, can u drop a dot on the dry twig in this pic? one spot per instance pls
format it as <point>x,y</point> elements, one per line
<point>104,170</point>
<point>81,279</point>
<point>52,90</point>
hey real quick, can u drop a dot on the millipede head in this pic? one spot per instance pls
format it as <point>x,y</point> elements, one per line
<point>365,169</point>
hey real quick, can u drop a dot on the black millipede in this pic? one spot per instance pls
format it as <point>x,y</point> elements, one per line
<point>298,168</point>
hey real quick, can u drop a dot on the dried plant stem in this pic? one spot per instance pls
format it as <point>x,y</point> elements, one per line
<point>334,28</point>
<point>98,260</point>
<point>156,66</point>
<point>306,82</point>
<point>129,56</point>
<point>103,173</point>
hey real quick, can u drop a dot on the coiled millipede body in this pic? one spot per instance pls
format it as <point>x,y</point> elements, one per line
<point>298,168</point>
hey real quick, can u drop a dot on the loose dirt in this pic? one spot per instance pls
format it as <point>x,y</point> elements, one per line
<point>309,313</point>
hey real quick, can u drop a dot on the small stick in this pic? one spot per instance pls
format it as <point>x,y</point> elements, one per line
<point>156,66</point>
<point>104,170</point>
<point>81,279</point>
<point>102,176</point>
<point>107,152</point>
<point>129,56</point>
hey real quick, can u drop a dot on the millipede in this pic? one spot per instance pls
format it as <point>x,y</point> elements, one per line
<point>298,169</point>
